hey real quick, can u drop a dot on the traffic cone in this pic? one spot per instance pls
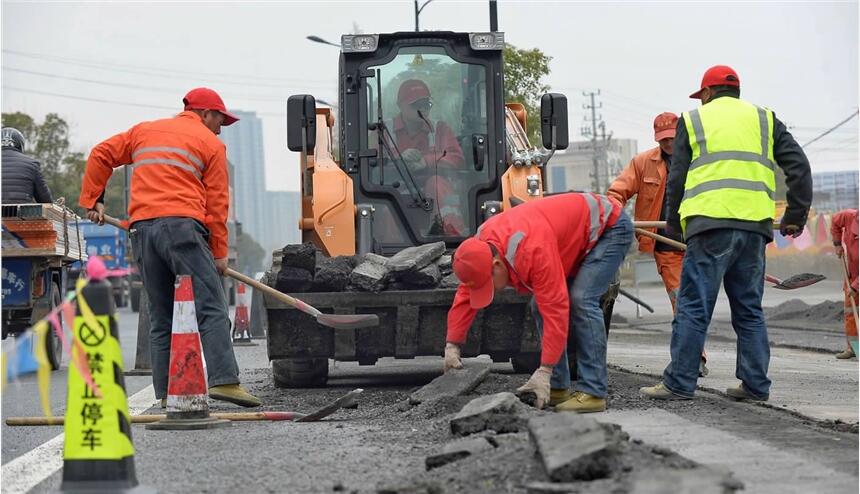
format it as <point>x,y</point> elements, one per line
<point>98,455</point>
<point>242,320</point>
<point>187,387</point>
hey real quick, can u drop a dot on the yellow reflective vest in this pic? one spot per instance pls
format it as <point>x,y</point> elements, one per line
<point>731,174</point>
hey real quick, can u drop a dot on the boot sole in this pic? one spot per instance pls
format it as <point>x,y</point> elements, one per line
<point>235,401</point>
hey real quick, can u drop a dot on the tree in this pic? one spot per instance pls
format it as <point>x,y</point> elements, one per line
<point>63,168</point>
<point>524,71</point>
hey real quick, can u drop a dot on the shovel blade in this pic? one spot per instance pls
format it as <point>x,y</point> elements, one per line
<point>799,281</point>
<point>348,321</point>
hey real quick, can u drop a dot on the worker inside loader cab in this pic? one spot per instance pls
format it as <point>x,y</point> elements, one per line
<point>431,152</point>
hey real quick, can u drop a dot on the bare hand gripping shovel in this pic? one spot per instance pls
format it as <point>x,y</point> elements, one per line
<point>336,321</point>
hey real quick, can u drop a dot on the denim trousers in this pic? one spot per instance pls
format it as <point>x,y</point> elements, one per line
<point>165,248</point>
<point>736,259</point>
<point>592,280</point>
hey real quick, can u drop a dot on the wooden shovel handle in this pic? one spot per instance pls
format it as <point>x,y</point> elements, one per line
<point>661,238</point>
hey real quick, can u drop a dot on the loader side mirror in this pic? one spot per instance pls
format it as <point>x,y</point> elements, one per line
<point>553,121</point>
<point>301,123</point>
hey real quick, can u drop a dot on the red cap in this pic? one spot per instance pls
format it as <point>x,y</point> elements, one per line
<point>664,126</point>
<point>412,90</point>
<point>203,98</point>
<point>473,265</point>
<point>718,75</point>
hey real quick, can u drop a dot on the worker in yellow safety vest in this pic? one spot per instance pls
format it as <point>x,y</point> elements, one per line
<point>720,194</point>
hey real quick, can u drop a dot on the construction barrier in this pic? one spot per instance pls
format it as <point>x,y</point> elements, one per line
<point>241,320</point>
<point>98,453</point>
<point>187,386</point>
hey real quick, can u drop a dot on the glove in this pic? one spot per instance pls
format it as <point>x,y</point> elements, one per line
<point>452,357</point>
<point>537,385</point>
<point>790,230</point>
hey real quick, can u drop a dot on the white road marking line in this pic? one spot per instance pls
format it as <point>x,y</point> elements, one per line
<point>30,469</point>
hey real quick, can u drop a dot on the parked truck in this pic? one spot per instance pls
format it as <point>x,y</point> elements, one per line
<point>110,243</point>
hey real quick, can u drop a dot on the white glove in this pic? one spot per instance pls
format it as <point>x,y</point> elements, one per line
<point>452,357</point>
<point>538,385</point>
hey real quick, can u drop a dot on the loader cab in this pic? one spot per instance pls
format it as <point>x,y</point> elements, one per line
<point>422,132</point>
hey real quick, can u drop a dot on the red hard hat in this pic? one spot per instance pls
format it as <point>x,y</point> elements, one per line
<point>718,75</point>
<point>203,98</point>
<point>473,265</point>
<point>412,90</point>
<point>664,126</point>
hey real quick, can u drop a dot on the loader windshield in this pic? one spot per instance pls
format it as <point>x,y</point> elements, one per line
<point>425,114</point>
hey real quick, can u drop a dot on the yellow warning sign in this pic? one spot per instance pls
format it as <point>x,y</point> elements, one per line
<point>97,428</point>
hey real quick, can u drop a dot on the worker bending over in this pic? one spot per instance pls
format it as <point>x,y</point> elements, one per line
<point>178,210</point>
<point>843,231</point>
<point>645,178</point>
<point>565,250</point>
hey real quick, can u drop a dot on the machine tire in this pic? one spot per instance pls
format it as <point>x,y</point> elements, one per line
<point>134,296</point>
<point>526,363</point>
<point>300,373</point>
<point>53,344</point>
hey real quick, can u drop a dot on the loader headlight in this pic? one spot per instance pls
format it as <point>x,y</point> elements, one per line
<point>359,43</point>
<point>487,41</point>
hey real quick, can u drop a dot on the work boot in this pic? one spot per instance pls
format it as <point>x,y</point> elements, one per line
<point>582,403</point>
<point>557,396</point>
<point>741,393</point>
<point>660,392</point>
<point>234,394</point>
<point>846,354</point>
<point>703,369</point>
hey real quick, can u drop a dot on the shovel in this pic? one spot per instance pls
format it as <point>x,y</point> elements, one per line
<point>793,282</point>
<point>336,321</point>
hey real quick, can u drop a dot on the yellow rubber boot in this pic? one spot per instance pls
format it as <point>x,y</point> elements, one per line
<point>582,403</point>
<point>234,394</point>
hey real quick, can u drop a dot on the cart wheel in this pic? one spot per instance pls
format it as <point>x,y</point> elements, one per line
<point>53,344</point>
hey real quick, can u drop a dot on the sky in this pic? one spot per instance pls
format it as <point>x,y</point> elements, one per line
<point>106,66</point>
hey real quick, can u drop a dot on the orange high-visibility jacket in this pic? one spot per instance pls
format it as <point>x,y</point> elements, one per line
<point>179,168</point>
<point>644,177</point>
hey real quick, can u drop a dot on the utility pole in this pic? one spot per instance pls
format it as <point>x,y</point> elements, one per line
<point>597,183</point>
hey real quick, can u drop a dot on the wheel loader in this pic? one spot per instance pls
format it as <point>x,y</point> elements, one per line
<point>385,193</point>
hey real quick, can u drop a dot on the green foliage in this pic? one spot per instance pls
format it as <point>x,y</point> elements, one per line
<point>63,168</point>
<point>524,71</point>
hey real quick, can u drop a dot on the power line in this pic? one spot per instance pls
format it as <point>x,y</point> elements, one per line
<point>114,102</point>
<point>831,129</point>
<point>172,74</point>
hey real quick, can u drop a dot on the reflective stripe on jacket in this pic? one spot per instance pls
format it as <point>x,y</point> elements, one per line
<point>731,175</point>
<point>543,243</point>
<point>179,168</point>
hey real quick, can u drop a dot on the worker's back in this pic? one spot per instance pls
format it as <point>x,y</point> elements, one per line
<point>22,179</point>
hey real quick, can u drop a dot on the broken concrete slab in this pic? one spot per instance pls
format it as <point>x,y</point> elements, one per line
<point>574,447</point>
<point>427,277</point>
<point>455,382</point>
<point>501,412</point>
<point>302,256</point>
<point>457,450</point>
<point>332,274</point>
<point>293,280</point>
<point>698,480</point>
<point>416,257</point>
<point>445,264</point>
<point>372,274</point>
<point>554,488</point>
<point>449,281</point>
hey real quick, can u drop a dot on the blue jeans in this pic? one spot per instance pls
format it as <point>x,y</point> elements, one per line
<point>167,247</point>
<point>735,258</point>
<point>591,282</point>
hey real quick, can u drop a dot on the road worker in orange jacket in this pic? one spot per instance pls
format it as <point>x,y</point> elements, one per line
<point>645,178</point>
<point>178,214</point>
<point>843,230</point>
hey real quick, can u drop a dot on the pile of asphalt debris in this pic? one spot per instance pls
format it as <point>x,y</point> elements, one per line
<point>301,268</point>
<point>495,442</point>
<point>826,312</point>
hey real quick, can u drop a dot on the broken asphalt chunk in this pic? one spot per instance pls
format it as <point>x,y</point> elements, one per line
<point>452,383</point>
<point>501,412</point>
<point>575,447</point>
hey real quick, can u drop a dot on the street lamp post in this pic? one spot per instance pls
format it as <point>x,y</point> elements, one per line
<point>418,11</point>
